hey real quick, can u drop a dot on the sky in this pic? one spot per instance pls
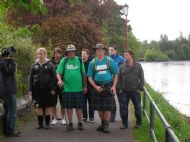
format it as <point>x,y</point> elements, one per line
<point>151,18</point>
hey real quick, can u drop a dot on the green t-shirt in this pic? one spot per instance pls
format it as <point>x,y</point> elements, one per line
<point>72,74</point>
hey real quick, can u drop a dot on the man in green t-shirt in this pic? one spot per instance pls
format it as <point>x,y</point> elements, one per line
<point>72,77</point>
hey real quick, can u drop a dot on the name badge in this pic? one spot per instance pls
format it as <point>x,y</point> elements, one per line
<point>101,67</point>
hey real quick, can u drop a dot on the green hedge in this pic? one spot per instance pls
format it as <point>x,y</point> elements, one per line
<point>25,51</point>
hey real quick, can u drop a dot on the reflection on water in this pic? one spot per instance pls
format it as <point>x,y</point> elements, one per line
<point>173,80</point>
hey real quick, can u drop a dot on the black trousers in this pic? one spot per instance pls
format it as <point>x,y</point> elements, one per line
<point>88,110</point>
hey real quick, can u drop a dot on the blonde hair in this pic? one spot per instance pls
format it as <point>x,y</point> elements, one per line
<point>42,50</point>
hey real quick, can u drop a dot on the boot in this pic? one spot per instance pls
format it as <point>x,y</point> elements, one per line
<point>47,122</point>
<point>100,128</point>
<point>106,128</point>
<point>40,122</point>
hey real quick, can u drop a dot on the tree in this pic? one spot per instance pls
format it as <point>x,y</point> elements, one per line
<point>75,28</point>
<point>35,6</point>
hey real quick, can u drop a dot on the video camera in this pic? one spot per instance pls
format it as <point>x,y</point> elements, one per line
<point>8,52</point>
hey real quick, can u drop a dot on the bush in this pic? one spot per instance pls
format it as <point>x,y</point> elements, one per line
<point>155,55</point>
<point>25,52</point>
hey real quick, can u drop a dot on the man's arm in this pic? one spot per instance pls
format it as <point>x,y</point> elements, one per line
<point>60,82</point>
<point>141,77</point>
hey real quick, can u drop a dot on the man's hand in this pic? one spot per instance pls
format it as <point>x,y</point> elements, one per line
<point>52,92</point>
<point>29,93</point>
<point>85,90</point>
<point>60,83</point>
<point>98,88</point>
<point>113,89</point>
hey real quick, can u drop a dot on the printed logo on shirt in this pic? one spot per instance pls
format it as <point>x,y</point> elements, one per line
<point>101,67</point>
<point>102,72</point>
<point>72,67</point>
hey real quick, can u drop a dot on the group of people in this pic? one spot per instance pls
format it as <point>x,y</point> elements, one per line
<point>78,81</point>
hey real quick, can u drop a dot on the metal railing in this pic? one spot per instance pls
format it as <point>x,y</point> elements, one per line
<point>169,133</point>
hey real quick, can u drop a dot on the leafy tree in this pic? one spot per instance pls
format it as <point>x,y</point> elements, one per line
<point>35,6</point>
<point>75,28</point>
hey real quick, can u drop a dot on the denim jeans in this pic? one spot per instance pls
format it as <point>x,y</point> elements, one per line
<point>124,99</point>
<point>9,117</point>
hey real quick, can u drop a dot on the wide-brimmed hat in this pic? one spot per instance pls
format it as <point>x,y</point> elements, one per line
<point>70,47</point>
<point>99,46</point>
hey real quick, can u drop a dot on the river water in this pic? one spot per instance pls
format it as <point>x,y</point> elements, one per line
<point>172,79</point>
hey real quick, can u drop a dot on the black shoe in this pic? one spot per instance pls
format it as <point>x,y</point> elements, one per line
<point>106,128</point>
<point>47,127</point>
<point>84,120</point>
<point>70,127</point>
<point>80,126</point>
<point>124,127</point>
<point>91,120</point>
<point>137,126</point>
<point>100,128</point>
<point>15,134</point>
<point>40,127</point>
<point>112,120</point>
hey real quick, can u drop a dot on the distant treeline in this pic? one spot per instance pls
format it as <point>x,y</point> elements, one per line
<point>166,50</point>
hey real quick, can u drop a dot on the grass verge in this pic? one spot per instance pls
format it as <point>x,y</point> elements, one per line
<point>179,123</point>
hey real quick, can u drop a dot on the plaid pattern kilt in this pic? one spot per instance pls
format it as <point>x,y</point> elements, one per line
<point>73,100</point>
<point>103,103</point>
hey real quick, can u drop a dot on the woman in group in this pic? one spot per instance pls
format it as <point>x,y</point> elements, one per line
<point>42,87</point>
<point>57,55</point>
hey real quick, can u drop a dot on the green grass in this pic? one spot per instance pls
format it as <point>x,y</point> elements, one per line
<point>178,122</point>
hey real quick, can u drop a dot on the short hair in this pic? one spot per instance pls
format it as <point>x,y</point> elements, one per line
<point>113,46</point>
<point>86,50</point>
<point>130,52</point>
<point>57,50</point>
<point>42,49</point>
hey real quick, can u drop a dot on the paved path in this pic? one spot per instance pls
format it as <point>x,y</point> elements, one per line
<point>58,133</point>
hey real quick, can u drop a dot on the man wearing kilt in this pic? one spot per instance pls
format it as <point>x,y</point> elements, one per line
<point>103,75</point>
<point>71,69</point>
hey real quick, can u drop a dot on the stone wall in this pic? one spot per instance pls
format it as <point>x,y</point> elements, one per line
<point>23,106</point>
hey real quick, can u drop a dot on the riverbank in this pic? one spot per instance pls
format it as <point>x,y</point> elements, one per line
<point>178,121</point>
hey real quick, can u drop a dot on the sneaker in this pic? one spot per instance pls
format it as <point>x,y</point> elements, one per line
<point>80,126</point>
<point>100,128</point>
<point>63,122</point>
<point>91,120</point>
<point>106,128</point>
<point>54,121</point>
<point>70,127</point>
<point>84,120</point>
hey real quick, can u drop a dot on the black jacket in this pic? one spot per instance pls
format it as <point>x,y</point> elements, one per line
<point>8,77</point>
<point>42,76</point>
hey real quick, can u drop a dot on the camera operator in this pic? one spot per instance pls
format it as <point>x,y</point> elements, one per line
<point>8,74</point>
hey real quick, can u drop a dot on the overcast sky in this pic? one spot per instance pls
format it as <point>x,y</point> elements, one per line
<point>151,18</point>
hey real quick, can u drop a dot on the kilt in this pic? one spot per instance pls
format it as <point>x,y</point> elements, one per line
<point>42,96</point>
<point>73,100</point>
<point>103,103</point>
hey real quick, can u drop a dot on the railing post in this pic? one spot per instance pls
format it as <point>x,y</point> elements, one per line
<point>144,102</point>
<point>167,136</point>
<point>151,117</point>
